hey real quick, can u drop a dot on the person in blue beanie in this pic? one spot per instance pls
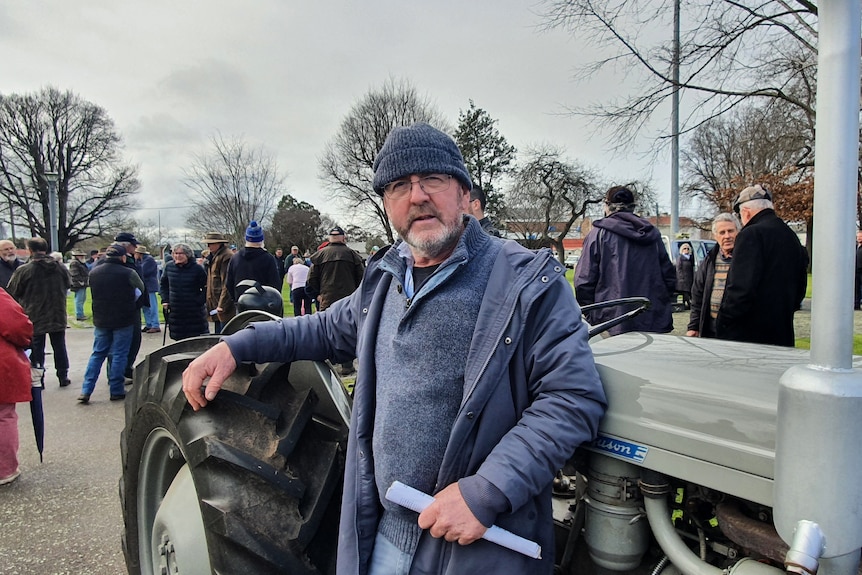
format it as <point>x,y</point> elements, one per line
<point>252,262</point>
<point>475,380</point>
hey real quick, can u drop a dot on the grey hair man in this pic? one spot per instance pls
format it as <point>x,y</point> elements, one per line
<point>767,278</point>
<point>440,318</point>
<point>710,279</point>
<point>9,262</point>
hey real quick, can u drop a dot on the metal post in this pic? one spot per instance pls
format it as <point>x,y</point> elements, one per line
<point>53,209</point>
<point>674,170</point>
<point>819,403</point>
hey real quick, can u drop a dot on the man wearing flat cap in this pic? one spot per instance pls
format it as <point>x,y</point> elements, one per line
<point>767,278</point>
<point>475,382</point>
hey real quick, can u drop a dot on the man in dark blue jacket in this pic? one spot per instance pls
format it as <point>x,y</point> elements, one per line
<point>252,262</point>
<point>148,269</point>
<point>475,380</point>
<point>623,256</point>
<point>114,289</point>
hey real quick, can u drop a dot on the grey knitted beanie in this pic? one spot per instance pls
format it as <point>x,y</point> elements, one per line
<point>418,149</point>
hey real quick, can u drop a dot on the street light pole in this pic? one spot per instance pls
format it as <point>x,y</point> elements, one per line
<point>53,208</point>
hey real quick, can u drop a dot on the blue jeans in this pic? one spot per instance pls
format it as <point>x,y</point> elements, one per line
<point>387,559</point>
<point>151,314</point>
<point>80,298</point>
<point>113,342</point>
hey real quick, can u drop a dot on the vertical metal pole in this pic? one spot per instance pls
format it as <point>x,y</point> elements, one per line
<point>674,170</point>
<point>835,183</point>
<point>53,210</point>
<point>819,403</point>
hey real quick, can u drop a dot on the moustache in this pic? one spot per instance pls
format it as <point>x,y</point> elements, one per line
<point>415,214</point>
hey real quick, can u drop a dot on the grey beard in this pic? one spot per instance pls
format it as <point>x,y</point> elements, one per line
<point>433,247</point>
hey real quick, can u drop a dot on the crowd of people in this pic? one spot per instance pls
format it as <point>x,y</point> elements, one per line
<point>434,323</point>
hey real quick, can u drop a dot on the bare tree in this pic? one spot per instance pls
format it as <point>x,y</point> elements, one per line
<point>487,154</point>
<point>749,142</point>
<point>549,194</point>
<point>731,52</point>
<point>53,131</point>
<point>346,164</point>
<point>232,185</point>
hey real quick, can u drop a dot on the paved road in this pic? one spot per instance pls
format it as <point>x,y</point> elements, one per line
<point>63,516</point>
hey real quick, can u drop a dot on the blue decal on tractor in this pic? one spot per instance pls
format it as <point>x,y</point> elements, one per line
<point>620,448</point>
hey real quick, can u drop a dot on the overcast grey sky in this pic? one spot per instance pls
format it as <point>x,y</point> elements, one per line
<point>284,73</point>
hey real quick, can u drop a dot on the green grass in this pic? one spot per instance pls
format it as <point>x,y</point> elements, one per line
<point>805,343</point>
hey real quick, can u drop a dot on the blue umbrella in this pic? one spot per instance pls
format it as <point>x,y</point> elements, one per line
<point>37,378</point>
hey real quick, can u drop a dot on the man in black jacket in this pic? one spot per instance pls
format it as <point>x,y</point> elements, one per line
<point>252,262</point>
<point>115,290</point>
<point>767,278</point>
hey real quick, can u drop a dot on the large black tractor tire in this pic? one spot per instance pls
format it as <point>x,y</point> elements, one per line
<point>250,484</point>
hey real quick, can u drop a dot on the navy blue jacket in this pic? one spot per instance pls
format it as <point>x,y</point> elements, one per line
<point>185,289</point>
<point>112,288</point>
<point>623,256</point>
<point>531,396</point>
<point>252,264</point>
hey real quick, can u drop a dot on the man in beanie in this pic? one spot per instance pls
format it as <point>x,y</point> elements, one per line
<point>623,256</point>
<point>767,278</point>
<point>475,383</point>
<point>40,286</point>
<point>252,263</point>
<point>115,290</point>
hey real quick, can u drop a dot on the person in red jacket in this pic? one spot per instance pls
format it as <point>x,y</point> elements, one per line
<point>16,331</point>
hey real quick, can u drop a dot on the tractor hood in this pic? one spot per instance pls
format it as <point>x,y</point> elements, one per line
<point>702,410</point>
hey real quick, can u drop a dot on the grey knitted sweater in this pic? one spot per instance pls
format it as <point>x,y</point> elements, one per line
<point>420,356</point>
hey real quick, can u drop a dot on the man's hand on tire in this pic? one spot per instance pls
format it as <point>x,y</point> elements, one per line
<point>217,364</point>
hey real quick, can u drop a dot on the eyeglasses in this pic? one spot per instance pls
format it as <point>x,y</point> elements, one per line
<point>430,184</point>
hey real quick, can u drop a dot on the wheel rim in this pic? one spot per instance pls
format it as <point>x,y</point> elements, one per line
<point>172,537</point>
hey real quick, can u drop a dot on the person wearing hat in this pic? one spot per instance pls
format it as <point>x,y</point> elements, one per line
<point>220,306</point>
<point>40,286</point>
<point>116,290</point>
<point>624,256</point>
<point>148,270</point>
<point>184,294</point>
<point>767,278</point>
<point>252,262</point>
<point>475,384</point>
<point>79,274</point>
<point>336,271</point>
<point>130,242</point>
